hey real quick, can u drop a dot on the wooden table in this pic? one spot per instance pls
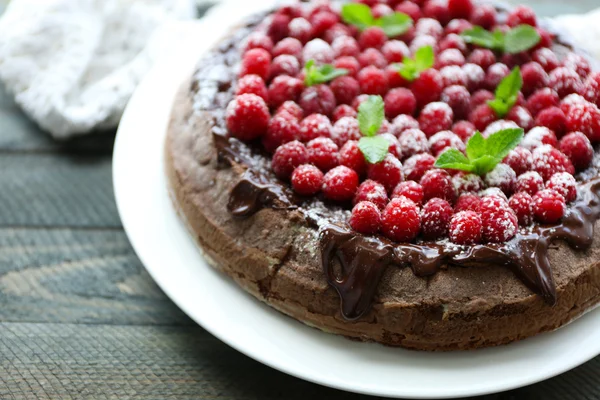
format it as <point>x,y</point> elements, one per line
<point>80,317</point>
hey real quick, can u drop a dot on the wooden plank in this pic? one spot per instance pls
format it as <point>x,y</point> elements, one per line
<point>49,361</point>
<point>54,190</point>
<point>78,276</point>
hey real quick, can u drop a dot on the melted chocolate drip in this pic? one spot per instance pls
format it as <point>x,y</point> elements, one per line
<point>254,192</point>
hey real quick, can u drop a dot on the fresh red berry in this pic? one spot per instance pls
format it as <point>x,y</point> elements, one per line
<point>465,228</point>
<point>564,184</point>
<point>284,64</point>
<point>591,90</point>
<point>427,87</point>
<point>323,153</point>
<point>352,157</point>
<point>578,63</point>
<point>387,172</point>
<point>444,140</point>
<point>345,89</point>
<point>373,192</point>
<point>484,15</point>
<point>411,190</point>
<point>546,38</point>
<point>542,99</point>
<point>548,160</point>
<point>339,30</point>
<point>301,29</point>
<point>400,220</point>
<point>483,57</point>
<point>350,64</point>
<point>467,202</point>
<point>343,110</point>
<point>318,99</point>
<point>435,219</point>
<point>522,205</point>
<point>394,147</point>
<point>373,81</point>
<point>482,116</point>
<point>522,15</point>
<point>475,76</point>
<point>409,8</point>
<point>539,136</point>
<point>565,81</point>
<point>307,180</point>
<point>584,117</point>
<point>521,116</point>
<point>380,10</point>
<point>429,27</point>
<point>438,183</point>
<point>284,88</point>
<point>395,51</point>
<point>464,182</point>
<point>502,177</point>
<point>322,21</point>
<point>578,148</point>
<point>315,126</point>
<point>497,126</point>
<point>534,77</point>
<point>258,40</point>
<point>372,57</point>
<point>372,37</point>
<point>481,97</point>
<point>519,159</point>
<point>499,222</point>
<point>495,74</point>
<point>530,182</point>
<point>438,10</point>
<point>287,157</point>
<point>554,119</point>
<point>394,79</point>
<point>291,108</point>
<point>256,62</point>
<point>459,99</point>
<point>453,75</point>
<point>436,117</point>
<point>416,166</point>
<point>253,84</point>
<point>413,141</point>
<point>464,130</point>
<point>247,117</point>
<point>460,8</point>
<point>399,101</point>
<point>450,57</point>
<point>278,27</point>
<point>289,46</point>
<point>345,46</point>
<point>365,218</point>
<point>454,40</point>
<point>546,58</point>
<point>345,129</point>
<point>318,50</point>
<point>403,122</point>
<point>340,184</point>
<point>423,41</point>
<point>282,129</point>
<point>548,206</point>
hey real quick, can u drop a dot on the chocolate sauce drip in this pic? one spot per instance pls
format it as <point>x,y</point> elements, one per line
<point>254,192</point>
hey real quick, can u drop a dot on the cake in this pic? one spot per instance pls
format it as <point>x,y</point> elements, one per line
<point>417,174</point>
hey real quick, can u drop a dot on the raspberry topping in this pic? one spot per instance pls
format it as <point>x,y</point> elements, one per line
<point>522,15</point>
<point>400,101</point>
<point>427,87</point>
<point>287,157</point>
<point>283,128</point>
<point>547,161</point>
<point>373,80</point>
<point>464,182</point>
<point>548,206</point>
<point>464,130</point>
<point>345,129</point>
<point>460,8</point>
<point>519,159</point>
<point>314,126</point>
<point>365,218</point>
<point>564,184</point>
<point>388,172</point>
<point>247,117</point>
<point>502,177</point>
<point>256,62</point>
<point>252,84</point>
<point>465,228</point>
<point>284,88</point>
<point>468,202</point>
<point>438,183</point>
<point>436,117</point>
<point>554,119</point>
<point>416,166</point>
<point>411,190</point>
<point>530,182</point>
<point>435,219</point>
<point>317,99</point>
<point>444,140</point>
<point>400,220</point>
<point>542,99</point>
<point>577,147</point>
<point>323,153</point>
<point>522,205</point>
<point>307,180</point>
<point>499,221</point>
<point>340,184</point>
<point>459,99</point>
<point>345,89</point>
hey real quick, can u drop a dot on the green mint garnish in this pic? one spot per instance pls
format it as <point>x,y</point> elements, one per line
<point>411,68</point>
<point>507,93</point>
<point>371,115</point>
<point>315,75</point>
<point>360,15</point>
<point>516,40</point>
<point>482,154</point>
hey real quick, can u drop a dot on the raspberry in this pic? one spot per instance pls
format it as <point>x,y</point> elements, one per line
<point>373,192</point>
<point>591,90</point>
<point>584,118</point>
<point>458,98</point>
<point>423,41</point>
<point>365,218</point>
<point>429,27</point>
<point>464,130</point>
<point>315,126</point>
<point>493,192</point>
<point>539,136</point>
<point>436,117</point>
<point>435,219</point>
<point>345,89</point>
<point>464,182</point>
<point>444,140</point>
<point>467,202</point>
<point>283,128</point>
<point>409,8</point>
<point>564,184</point>
<point>307,180</point>
<point>247,117</point>
<point>400,101</point>
<point>395,51</point>
<point>577,147</point>
<point>301,29</point>
<point>287,157</point>
<point>278,27</point>
<point>292,109</point>
<point>482,116</point>
<point>460,8</point>
<point>252,84</point>
<point>450,57</point>
<point>453,75</point>
<point>258,40</point>
<point>541,100</point>
<point>453,41</point>
<point>348,63</point>
<point>403,122</point>
<point>548,206</point>
<point>322,21</point>
<point>352,157</point>
<point>340,184</point>
<point>318,99</point>
<point>256,62</point>
<point>530,182</point>
<point>323,153</point>
<point>438,183</point>
<point>413,141</point>
<point>497,126</point>
<point>465,228</point>
<point>519,159</point>
<point>495,74</point>
<point>546,58</point>
<point>499,222</point>
<point>380,10</point>
<point>411,190</point>
<point>547,161</point>
<point>345,129</point>
<point>373,37</point>
<point>318,50</point>
<point>400,220</point>
<point>475,76</point>
<point>427,87</point>
<point>345,46</point>
<point>343,110</point>
<point>395,80</point>
<point>565,81</point>
<point>481,97</point>
<point>521,116</point>
<point>372,57</point>
<point>338,30</point>
<point>416,166</point>
<point>522,15</point>
<point>502,177</point>
<point>578,63</point>
<point>554,119</point>
<point>284,65</point>
<point>483,57</point>
<point>388,172</point>
<point>289,46</point>
<point>373,81</point>
<point>534,77</point>
<point>484,15</point>
<point>284,88</point>
<point>394,148</point>
<point>522,205</point>
<point>438,10</point>
<point>570,101</point>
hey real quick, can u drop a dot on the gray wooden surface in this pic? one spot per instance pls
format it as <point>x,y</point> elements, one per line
<point>81,319</point>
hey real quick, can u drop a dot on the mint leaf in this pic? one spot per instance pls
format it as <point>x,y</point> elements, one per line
<point>476,146</point>
<point>371,114</point>
<point>521,38</point>
<point>322,74</point>
<point>484,38</point>
<point>411,68</point>
<point>485,164</point>
<point>454,159</point>
<point>374,148</point>
<point>358,15</point>
<point>507,93</point>
<point>394,24</point>
<point>500,143</point>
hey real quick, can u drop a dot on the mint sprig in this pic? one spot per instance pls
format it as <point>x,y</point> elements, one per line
<point>411,68</point>
<point>516,40</point>
<point>315,75</point>
<point>482,155</point>
<point>360,15</point>
<point>507,93</point>
<point>371,115</point>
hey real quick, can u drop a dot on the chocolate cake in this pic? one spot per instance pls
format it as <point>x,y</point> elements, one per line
<point>420,256</point>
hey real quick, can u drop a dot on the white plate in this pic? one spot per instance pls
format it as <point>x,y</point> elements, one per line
<point>172,258</point>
